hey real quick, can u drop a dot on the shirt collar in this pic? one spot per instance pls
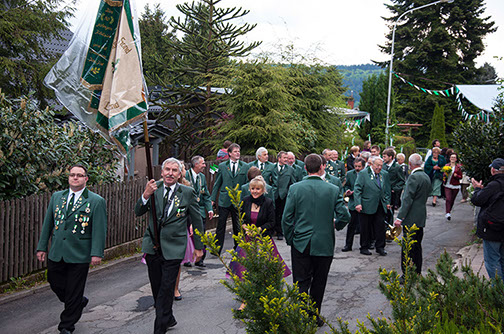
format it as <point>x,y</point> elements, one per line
<point>194,175</point>
<point>414,170</point>
<point>77,193</point>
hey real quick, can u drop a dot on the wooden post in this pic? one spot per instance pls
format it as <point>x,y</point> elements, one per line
<point>150,175</point>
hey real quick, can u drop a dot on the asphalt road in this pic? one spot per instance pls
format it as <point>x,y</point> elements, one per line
<point>120,300</point>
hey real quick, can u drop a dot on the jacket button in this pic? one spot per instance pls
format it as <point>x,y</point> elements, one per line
<point>64,238</point>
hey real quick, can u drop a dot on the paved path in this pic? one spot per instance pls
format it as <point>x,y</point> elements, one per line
<point>120,300</point>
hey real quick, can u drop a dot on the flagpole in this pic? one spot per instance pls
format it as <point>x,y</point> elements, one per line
<point>150,175</point>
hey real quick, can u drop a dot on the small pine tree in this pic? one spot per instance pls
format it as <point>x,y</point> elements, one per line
<point>438,126</point>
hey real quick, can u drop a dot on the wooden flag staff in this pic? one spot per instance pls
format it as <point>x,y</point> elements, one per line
<point>150,175</point>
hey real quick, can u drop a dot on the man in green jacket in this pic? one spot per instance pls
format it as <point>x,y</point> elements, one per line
<point>308,224</point>
<point>76,223</point>
<point>351,178</point>
<point>198,181</point>
<point>413,209</point>
<point>164,252</point>
<point>299,172</point>
<point>230,173</point>
<point>282,176</point>
<point>263,164</point>
<point>331,167</point>
<point>397,180</point>
<point>372,200</point>
<point>340,166</point>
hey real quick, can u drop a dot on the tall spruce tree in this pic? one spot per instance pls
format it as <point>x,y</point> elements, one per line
<point>24,26</point>
<point>435,47</point>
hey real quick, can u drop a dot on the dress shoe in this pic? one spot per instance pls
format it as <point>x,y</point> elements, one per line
<point>84,302</point>
<point>320,322</point>
<point>279,237</point>
<point>434,204</point>
<point>365,252</point>
<point>382,252</point>
<point>187,264</point>
<point>200,264</point>
<point>65,331</point>
<point>179,297</point>
<point>346,249</point>
<point>172,323</point>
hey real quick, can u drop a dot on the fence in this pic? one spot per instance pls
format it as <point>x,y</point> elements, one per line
<point>21,222</point>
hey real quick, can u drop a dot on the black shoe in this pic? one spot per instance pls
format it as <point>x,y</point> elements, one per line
<point>346,249</point>
<point>200,264</point>
<point>177,297</point>
<point>320,322</point>
<point>372,244</point>
<point>382,252</point>
<point>365,252</point>
<point>187,264</point>
<point>434,204</point>
<point>172,323</point>
<point>279,237</point>
<point>84,302</point>
<point>65,331</point>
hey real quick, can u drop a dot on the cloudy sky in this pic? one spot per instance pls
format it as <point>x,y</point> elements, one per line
<point>337,32</point>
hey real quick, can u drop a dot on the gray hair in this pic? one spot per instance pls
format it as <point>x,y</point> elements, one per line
<point>289,153</point>
<point>259,151</point>
<point>325,151</point>
<point>373,158</point>
<point>365,155</point>
<point>415,159</point>
<point>196,159</point>
<point>401,155</point>
<point>172,161</point>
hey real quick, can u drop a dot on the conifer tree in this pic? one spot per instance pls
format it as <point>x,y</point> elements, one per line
<point>435,47</point>
<point>438,126</point>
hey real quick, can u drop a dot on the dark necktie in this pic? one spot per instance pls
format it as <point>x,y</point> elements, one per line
<point>281,168</point>
<point>196,186</point>
<point>262,166</point>
<point>378,180</point>
<point>165,198</point>
<point>233,168</point>
<point>70,205</point>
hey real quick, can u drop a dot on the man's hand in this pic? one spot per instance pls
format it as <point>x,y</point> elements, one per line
<point>197,255</point>
<point>210,215</point>
<point>397,223</point>
<point>348,193</point>
<point>95,260</point>
<point>388,206</point>
<point>476,184</point>
<point>150,188</point>
<point>358,208</point>
<point>41,256</point>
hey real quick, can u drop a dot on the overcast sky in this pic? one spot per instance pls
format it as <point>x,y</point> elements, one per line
<point>337,32</point>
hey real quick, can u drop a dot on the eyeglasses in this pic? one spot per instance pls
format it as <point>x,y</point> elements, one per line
<point>76,175</point>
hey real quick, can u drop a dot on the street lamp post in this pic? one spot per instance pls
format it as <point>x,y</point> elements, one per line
<point>392,60</point>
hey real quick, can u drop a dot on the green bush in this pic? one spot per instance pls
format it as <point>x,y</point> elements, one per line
<point>35,151</point>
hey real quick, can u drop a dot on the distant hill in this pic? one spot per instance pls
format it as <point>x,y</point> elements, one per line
<point>354,75</point>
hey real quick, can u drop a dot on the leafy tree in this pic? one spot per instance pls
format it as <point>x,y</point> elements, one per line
<point>436,46</point>
<point>478,143</point>
<point>35,152</point>
<point>24,25</point>
<point>438,126</point>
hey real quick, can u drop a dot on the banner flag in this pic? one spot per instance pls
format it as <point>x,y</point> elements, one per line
<point>99,78</point>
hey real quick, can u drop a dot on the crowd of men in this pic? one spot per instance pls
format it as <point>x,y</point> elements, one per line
<point>309,199</point>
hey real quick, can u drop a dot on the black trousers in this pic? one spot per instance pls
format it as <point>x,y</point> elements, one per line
<point>372,223</point>
<point>68,280</point>
<point>220,232</point>
<point>162,276</point>
<point>416,250</point>
<point>279,209</point>
<point>310,273</point>
<point>351,228</point>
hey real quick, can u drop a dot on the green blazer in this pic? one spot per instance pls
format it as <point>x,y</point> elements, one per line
<point>266,173</point>
<point>309,215</point>
<point>282,181</point>
<point>225,179</point>
<point>416,192</point>
<point>336,181</point>
<point>202,194</point>
<point>331,168</point>
<point>396,176</point>
<point>351,177</point>
<point>81,235</point>
<point>299,172</point>
<point>341,171</point>
<point>269,192</point>
<point>367,192</point>
<point>172,229</point>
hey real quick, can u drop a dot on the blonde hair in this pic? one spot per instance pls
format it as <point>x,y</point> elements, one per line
<point>436,149</point>
<point>258,180</point>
